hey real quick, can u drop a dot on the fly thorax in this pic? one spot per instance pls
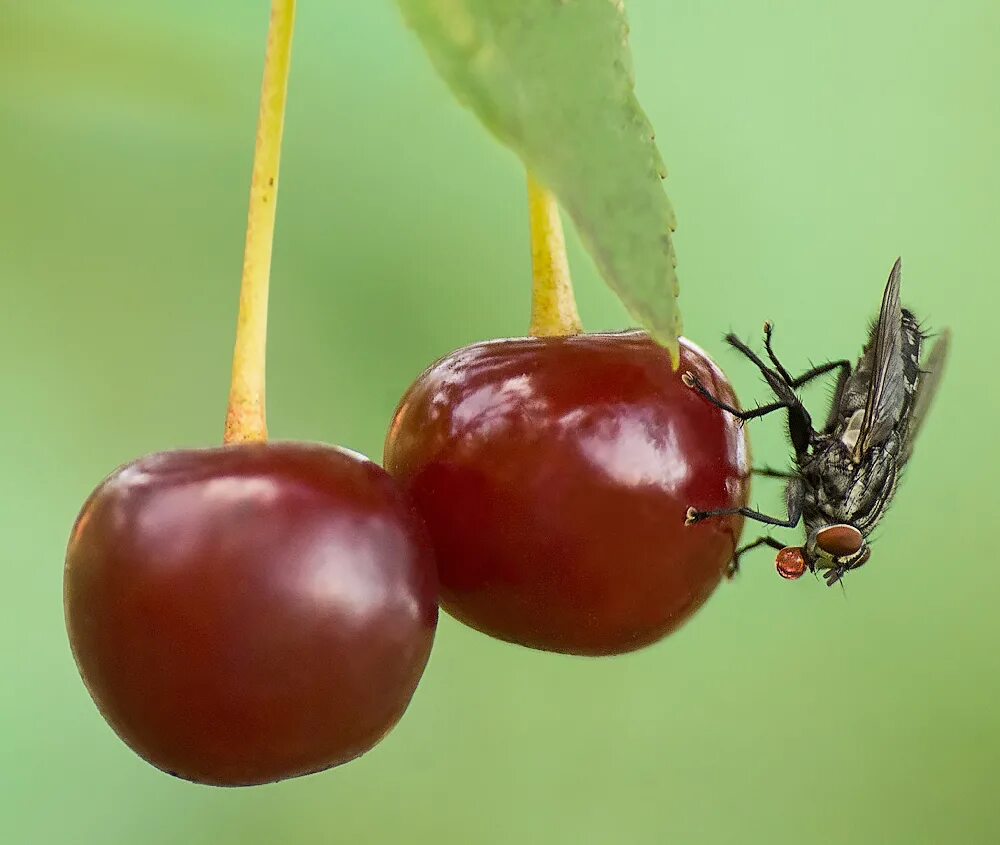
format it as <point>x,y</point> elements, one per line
<point>833,472</point>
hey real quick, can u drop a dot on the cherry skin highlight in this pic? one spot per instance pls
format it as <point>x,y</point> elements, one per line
<point>250,613</point>
<point>554,475</point>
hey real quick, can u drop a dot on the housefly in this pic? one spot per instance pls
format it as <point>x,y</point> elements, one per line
<point>847,471</point>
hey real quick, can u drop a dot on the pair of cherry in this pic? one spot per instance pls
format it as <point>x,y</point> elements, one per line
<point>265,610</point>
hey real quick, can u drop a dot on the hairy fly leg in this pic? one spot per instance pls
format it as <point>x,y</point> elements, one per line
<point>768,330</point>
<point>794,500</point>
<point>768,472</point>
<point>821,370</point>
<point>692,381</point>
<point>809,375</point>
<point>693,516</point>
<point>780,387</point>
<point>800,427</point>
<point>786,398</point>
<point>734,565</point>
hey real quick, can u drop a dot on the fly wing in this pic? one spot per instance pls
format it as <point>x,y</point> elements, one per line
<point>927,386</point>
<point>887,391</point>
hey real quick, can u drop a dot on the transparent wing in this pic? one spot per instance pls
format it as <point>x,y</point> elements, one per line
<point>927,387</point>
<point>886,393</point>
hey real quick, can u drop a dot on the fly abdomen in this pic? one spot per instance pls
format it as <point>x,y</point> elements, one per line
<point>874,487</point>
<point>911,344</point>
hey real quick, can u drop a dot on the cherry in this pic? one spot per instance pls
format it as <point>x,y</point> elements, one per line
<point>253,612</point>
<point>257,611</point>
<point>554,474</point>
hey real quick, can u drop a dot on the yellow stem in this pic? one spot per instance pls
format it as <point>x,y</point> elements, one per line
<point>553,306</point>
<point>246,419</point>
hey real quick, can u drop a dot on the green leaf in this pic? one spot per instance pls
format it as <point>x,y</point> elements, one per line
<point>552,79</point>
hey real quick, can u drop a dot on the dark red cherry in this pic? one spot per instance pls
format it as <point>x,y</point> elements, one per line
<point>554,475</point>
<point>250,613</point>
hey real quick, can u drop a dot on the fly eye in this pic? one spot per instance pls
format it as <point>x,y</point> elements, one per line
<point>840,540</point>
<point>791,562</point>
<point>862,558</point>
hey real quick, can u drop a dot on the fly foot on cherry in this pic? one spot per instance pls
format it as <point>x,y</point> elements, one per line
<point>693,516</point>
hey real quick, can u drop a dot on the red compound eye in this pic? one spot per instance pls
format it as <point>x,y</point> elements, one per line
<point>791,562</point>
<point>840,540</point>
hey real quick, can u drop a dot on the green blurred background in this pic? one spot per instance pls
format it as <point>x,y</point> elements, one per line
<point>809,144</point>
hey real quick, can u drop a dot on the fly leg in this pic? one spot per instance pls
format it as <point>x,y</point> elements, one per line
<point>768,472</point>
<point>785,396</point>
<point>794,501</point>
<point>808,376</point>
<point>768,329</point>
<point>692,381</point>
<point>694,516</point>
<point>773,378</point>
<point>800,427</point>
<point>734,564</point>
<point>822,369</point>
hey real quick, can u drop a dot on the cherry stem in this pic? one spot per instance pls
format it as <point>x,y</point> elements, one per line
<point>246,419</point>
<point>553,306</point>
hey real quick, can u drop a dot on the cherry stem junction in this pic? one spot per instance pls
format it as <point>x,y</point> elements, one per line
<point>553,305</point>
<point>246,418</point>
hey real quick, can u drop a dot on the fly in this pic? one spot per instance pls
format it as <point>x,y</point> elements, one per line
<point>846,472</point>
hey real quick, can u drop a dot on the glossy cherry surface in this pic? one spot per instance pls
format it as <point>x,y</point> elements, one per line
<point>554,475</point>
<point>250,613</point>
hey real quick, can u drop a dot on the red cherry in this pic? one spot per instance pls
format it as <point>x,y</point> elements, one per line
<point>554,475</point>
<point>250,613</point>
